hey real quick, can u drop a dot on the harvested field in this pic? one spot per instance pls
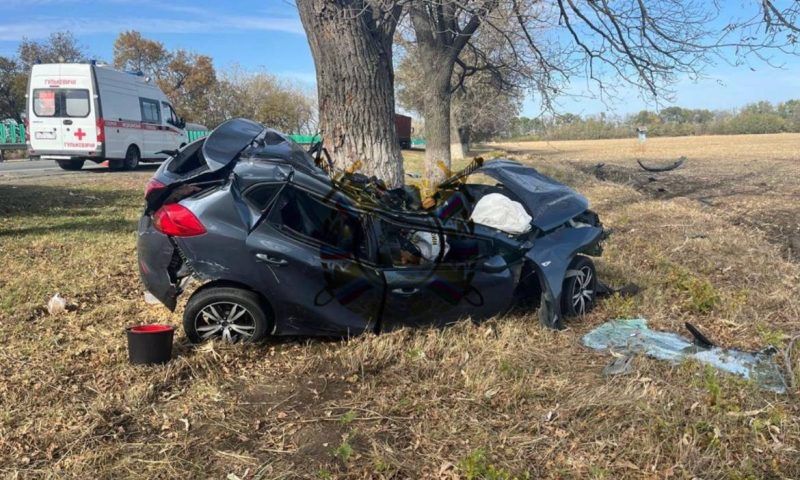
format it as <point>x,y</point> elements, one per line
<point>503,399</point>
<point>752,180</point>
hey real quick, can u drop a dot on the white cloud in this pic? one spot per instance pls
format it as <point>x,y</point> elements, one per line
<point>191,20</point>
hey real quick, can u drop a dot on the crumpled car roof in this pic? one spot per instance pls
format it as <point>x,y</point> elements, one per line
<point>232,137</point>
<point>227,140</point>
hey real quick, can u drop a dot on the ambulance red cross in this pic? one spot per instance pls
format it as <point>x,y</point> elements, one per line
<point>85,111</point>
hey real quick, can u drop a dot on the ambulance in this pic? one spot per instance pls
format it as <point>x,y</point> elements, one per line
<point>86,111</point>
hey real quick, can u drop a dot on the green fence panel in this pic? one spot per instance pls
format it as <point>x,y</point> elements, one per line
<point>305,139</point>
<point>196,134</point>
<point>12,134</point>
<point>302,139</point>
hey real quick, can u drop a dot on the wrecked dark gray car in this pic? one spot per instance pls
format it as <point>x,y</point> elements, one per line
<point>283,246</point>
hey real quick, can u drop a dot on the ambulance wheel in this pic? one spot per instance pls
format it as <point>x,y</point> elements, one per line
<point>70,164</point>
<point>132,158</point>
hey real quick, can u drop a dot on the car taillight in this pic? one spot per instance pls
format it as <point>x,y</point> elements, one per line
<point>153,186</point>
<point>176,220</point>
<point>101,130</point>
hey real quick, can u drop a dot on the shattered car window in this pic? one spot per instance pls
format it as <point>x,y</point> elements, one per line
<point>189,159</point>
<point>402,246</point>
<point>305,215</point>
<point>261,196</point>
<point>630,336</point>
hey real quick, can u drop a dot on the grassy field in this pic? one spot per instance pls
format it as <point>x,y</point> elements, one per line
<point>503,399</point>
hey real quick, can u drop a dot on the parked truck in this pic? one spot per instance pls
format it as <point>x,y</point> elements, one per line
<point>402,124</point>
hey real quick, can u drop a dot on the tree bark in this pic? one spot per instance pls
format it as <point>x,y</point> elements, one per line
<point>437,128</point>
<point>459,140</point>
<point>440,40</point>
<point>351,42</point>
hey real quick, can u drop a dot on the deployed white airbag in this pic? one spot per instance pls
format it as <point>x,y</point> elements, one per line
<point>429,245</point>
<point>498,211</point>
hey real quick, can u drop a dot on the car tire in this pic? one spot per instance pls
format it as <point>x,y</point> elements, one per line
<point>132,157</point>
<point>233,314</point>
<point>579,291</point>
<point>71,164</point>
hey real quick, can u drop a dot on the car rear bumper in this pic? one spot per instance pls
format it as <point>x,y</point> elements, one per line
<point>156,252</point>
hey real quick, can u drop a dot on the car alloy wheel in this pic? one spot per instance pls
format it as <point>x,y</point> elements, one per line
<point>579,290</point>
<point>227,320</point>
<point>582,294</point>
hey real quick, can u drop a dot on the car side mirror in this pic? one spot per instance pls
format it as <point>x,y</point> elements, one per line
<point>494,264</point>
<point>181,122</point>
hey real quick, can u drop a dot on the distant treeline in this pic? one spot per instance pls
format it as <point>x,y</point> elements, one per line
<point>761,117</point>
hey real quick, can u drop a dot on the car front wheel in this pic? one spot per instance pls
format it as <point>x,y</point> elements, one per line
<point>232,314</point>
<point>580,288</point>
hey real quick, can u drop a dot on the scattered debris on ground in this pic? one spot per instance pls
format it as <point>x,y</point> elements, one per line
<point>56,305</point>
<point>632,336</point>
<point>666,168</point>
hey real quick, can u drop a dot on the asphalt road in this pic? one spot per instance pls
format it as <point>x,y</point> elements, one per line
<point>10,170</point>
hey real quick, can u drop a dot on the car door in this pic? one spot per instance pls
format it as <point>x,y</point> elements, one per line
<point>469,279</point>
<point>172,134</point>
<point>315,259</point>
<point>45,122</point>
<point>152,127</point>
<point>63,120</point>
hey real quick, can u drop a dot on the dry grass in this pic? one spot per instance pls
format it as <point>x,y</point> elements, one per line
<point>503,399</point>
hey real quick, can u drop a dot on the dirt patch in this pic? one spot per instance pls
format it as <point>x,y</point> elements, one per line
<point>730,194</point>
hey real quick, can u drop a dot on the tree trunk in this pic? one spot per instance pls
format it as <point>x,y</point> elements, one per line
<point>355,85</point>
<point>459,141</point>
<point>437,124</point>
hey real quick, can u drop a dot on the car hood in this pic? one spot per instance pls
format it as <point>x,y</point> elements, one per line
<point>549,202</point>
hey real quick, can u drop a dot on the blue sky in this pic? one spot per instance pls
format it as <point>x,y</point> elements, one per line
<point>267,34</point>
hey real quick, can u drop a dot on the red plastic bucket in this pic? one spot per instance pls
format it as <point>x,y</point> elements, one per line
<point>150,344</point>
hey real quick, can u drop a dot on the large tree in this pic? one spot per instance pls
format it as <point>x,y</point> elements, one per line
<point>12,89</point>
<point>135,53</point>
<point>483,101</point>
<point>619,45</point>
<point>188,79</point>
<point>351,41</point>
<point>480,109</point>
<point>59,47</point>
<point>264,98</point>
<point>442,30</point>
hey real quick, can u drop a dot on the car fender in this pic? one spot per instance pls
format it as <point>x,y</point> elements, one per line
<point>551,256</point>
<point>154,252</point>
